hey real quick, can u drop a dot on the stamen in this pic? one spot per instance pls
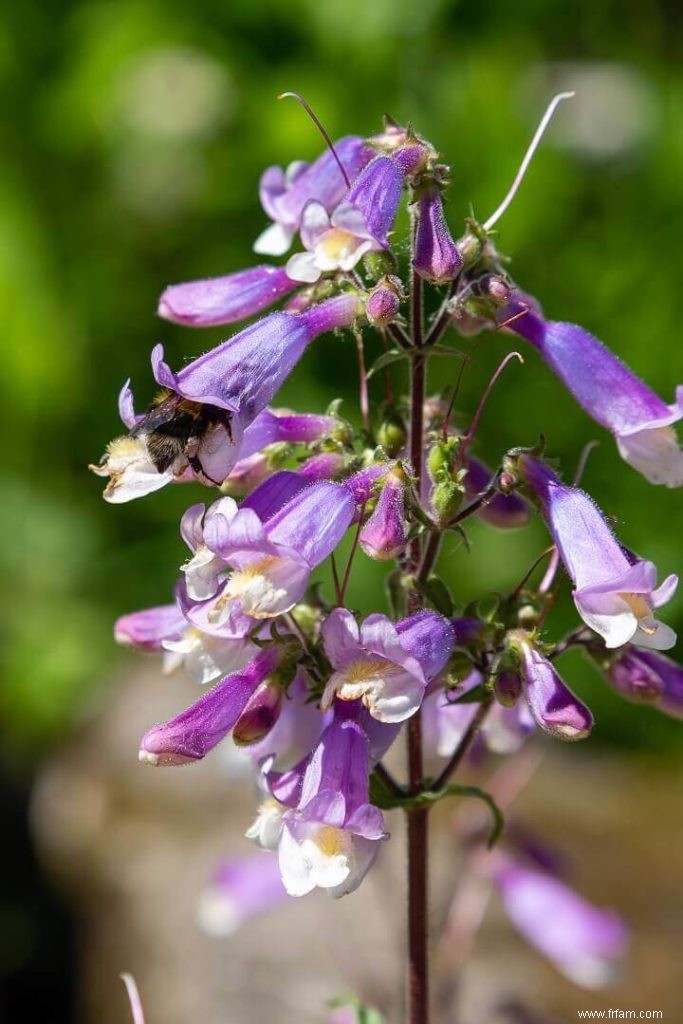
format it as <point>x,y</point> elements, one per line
<point>316,121</point>
<point>528,156</point>
<point>134,998</point>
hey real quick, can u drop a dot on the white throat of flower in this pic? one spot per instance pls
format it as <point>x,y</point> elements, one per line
<point>260,589</point>
<point>130,469</point>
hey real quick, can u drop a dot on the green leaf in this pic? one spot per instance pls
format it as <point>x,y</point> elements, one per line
<point>429,796</point>
<point>386,359</point>
<point>474,696</point>
<point>438,594</point>
<point>382,797</point>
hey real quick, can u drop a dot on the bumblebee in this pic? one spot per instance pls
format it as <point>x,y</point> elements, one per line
<point>173,426</point>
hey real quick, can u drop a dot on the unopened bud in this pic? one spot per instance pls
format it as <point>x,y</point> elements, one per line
<point>470,249</point>
<point>384,301</point>
<point>259,716</point>
<point>446,499</point>
<point>392,435</point>
<point>384,534</point>
<point>440,458</point>
<point>507,687</point>
<point>498,291</point>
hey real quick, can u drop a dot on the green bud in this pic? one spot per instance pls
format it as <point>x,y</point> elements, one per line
<point>440,458</point>
<point>446,500</point>
<point>392,435</point>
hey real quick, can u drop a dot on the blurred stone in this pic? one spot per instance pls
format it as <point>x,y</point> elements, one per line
<point>132,847</point>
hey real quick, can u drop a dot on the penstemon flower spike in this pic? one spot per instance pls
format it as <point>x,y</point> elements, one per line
<point>314,693</point>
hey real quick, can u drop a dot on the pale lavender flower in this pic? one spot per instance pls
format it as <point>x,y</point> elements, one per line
<point>284,193</point>
<point>260,566</point>
<point>196,731</point>
<point>357,226</point>
<point>165,630</point>
<point>331,839</point>
<point>242,888</point>
<point>615,593</point>
<point>554,707</point>
<point>198,427</point>
<point>215,301</point>
<point>296,732</point>
<point>437,257</point>
<point>385,532</point>
<point>585,943</point>
<point>386,665</point>
<point>609,392</point>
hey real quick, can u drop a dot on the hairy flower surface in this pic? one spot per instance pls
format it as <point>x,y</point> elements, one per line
<point>615,593</point>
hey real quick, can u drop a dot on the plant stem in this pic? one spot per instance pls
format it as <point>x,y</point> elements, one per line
<point>417,977</point>
<point>463,747</point>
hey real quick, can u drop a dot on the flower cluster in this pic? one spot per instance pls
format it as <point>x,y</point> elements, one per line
<point>315,692</point>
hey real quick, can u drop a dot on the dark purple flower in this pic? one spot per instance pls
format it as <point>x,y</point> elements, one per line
<point>385,532</point>
<point>196,731</point>
<point>437,257</point>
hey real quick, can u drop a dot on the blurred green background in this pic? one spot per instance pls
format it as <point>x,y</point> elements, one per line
<point>133,136</point>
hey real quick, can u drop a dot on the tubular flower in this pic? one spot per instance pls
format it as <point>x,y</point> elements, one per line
<point>386,665</point>
<point>196,731</point>
<point>357,226</point>
<point>215,301</point>
<point>242,888</point>
<point>437,257</point>
<point>648,676</point>
<point>385,533</point>
<point>553,705</point>
<point>331,838</point>
<point>615,593</point>
<point>584,942</point>
<point>284,194</point>
<point>197,425</point>
<point>609,392</point>
<point>260,566</point>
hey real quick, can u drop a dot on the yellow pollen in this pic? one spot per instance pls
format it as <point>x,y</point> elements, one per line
<point>241,578</point>
<point>642,611</point>
<point>365,668</point>
<point>330,841</point>
<point>336,243</point>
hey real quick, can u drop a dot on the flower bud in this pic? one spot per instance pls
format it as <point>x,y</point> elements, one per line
<point>384,534</point>
<point>507,687</point>
<point>259,716</point>
<point>446,499</point>
<point>440,458</point>
<point>437,257</point>
<point>470,249</point>
<point>384,301</point>
<point>392,435</point>
<point>498,291</point>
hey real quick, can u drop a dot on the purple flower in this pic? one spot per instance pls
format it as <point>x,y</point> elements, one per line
<point>331,839</point>
<point>165,630</point>
<point>284,194</point>
<point>357,226</point>
<point>259,564</point>
<point>147,630</point>
<point>445,722</point>
<point>386,665</point>
<point>584,942</point>
<point>296,732</point>
<point>197,427</point>
<point>437,257</point>
<point>196,731</point>
<point>615,593</point>
<point>384,301</point>
<point>553,705</point>
<point>384,534</point>
<point>609,392</point>
<point>243,888</point>
<point>648,676</point>
<point>215,301</point>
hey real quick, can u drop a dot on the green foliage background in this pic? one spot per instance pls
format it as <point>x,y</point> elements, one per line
<point>133,138</point>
